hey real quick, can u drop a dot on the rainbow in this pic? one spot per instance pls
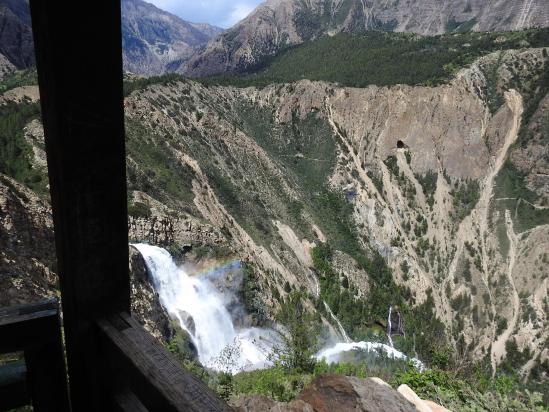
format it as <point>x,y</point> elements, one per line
<point>216,268</point>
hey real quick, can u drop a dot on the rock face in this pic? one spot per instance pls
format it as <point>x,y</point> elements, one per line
<point>16,42</point>
<point>145,304</point>
<point>153,39</point>
<point>28,261</point>
<point>27,251</point>
<point>280,23</point>
<point>329,393</point>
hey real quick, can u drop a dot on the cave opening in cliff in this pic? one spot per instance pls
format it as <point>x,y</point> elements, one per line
<point>400,144</point>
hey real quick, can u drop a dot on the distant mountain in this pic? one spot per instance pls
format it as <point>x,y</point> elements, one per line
<point>279,23</point>
<point>15,33</point>
<point>154,40</point>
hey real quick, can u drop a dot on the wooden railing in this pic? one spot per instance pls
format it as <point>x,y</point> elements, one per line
<point>138,374</point>
<point>35,331</point>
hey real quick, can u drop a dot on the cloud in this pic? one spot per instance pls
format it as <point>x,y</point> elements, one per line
<point>222,13</point>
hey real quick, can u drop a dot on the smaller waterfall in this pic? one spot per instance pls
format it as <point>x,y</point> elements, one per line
<point>390,327</point>
<point>339,325</point>
<point>400,325</point>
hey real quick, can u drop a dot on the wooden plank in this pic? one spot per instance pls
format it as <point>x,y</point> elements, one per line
<point>79,62</point>
<point>35,324</point>
<point>18,331</point>
<point>46,304</point>
<point>151,372</point>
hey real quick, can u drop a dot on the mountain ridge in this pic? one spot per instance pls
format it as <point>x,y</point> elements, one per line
<point>153,39</point>
<point>277,24</point>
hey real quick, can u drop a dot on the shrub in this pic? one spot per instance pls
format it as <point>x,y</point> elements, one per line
<point>139,210</point>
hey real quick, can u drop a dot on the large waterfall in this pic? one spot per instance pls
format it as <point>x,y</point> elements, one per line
<point>202,311</point>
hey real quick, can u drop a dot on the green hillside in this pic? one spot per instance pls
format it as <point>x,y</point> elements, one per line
<point>383,59</point>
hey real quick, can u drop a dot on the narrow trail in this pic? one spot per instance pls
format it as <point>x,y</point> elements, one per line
<point>498,347</point>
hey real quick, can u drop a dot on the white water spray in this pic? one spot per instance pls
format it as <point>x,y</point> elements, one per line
<point>201,311</point>
<point>333,354</point>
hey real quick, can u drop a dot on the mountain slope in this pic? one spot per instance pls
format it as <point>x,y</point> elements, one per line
<point>280,23</point>
<point>153,39</point>
<point>447,184</point>
<point>16,42</point>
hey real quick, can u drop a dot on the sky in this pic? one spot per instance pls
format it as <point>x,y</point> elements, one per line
<point>221,13</point>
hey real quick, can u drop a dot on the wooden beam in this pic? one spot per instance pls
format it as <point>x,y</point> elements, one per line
<point>79,63</point>
<point>138,362</point>
<point>36,330</point>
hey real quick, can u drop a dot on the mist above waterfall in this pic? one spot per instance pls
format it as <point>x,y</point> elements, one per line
<point>206,306</point>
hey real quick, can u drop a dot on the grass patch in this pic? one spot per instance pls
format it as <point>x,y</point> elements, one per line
<point>19,78</point>
<point>511,186</point>
<point>157,171</point>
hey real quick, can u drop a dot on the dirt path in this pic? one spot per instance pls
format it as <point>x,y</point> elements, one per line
<point>498,347</point>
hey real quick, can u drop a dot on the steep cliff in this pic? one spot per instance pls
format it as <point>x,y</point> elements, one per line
<point>417,175</point>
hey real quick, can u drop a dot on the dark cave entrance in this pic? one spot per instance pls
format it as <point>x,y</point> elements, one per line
<point>400,144</point>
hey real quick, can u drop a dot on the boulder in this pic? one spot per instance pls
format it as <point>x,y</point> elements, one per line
<point>329,393</point>
<point>409,394</point>
<point>342,393</point>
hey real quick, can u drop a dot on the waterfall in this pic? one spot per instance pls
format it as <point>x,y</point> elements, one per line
<point>338,323</point>
<point>202,312</point>
<point>390,327</point>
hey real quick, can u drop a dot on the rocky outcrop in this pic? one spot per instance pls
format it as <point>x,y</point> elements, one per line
<point>145,303</point>
<point>27,250</point>
<point>277,24</point>
<point>6,67</point>
<point>163,230</point>
<point>153,39</point>
<point>329,393</point>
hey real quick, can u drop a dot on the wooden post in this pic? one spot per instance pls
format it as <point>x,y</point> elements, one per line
<point>79,62</point>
